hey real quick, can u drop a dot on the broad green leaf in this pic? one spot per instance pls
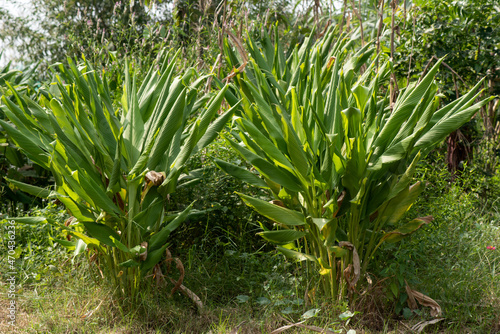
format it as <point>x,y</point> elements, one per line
<point>34,220</point>
<point>160,238</point>
<point>170,126</point>
<point>88,240</point>
<point>362,94</point>
<point>320,222</point>
<point>30,189</point>
<point>116,177</point>
<point>241,173</point>
<point>29,147</point>
<point>274,212</point>
<point>298,256</point>
<point>443,128</point>
<point>212,108</point>
<point>404,106</point>
<point>80,212</point>
<point>405,230</point>
<point>153,258</point>
<point>272,172</point>
<point>295,148</point>
<point>69,245</point>
<point>98,194</point>
<point>396,207</point>
<point>133,134</point>
<point>213,130</point>
<point>338,251</point>
<point>264,143</point>
<point>282,237</point>
<point>119,245</point>
<point>80,247</point>
<point>101,232</point>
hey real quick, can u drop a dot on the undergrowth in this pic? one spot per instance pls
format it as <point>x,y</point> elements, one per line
<point>245,285</point>
<point>455,259</point>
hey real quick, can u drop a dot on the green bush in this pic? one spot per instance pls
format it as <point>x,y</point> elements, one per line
<point>116,165</point>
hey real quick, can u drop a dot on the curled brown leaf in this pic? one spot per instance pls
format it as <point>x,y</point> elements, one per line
<point>144,255</point>
<point>340,200</point>
<point>423,300</point>
<point>278,203</point>
<point>178,284</point>
<point>352,281</point>
<point>155,178</point>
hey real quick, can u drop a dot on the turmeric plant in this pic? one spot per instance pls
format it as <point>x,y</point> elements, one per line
<point>319,129</point>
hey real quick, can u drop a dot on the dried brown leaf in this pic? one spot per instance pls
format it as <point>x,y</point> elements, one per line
<point>301,325</point>
<point>178,284</point>
<point>144,254</point>
<point>419,327</point>
<point>284,328</point>
<point>234,72</point>
<point>91,312</point>
<point>330,61</point>
<point>412,303</point>
<point>340,200</point>
<point>355,264</point>
<point>69,221</point>
<point>190,294</point>
<point>278,203</point>
<point>158,274</point>
<point>370,284</point>
<point>239,46</point>
<point>168,259</point>
<point>241,50</point>
<point>155,178</point>
<point>325,29</point>
<point>423,300</point>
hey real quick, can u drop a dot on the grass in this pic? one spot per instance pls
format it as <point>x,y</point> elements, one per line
<point>467,279</point>
<point>75,301</point>
<point>448,259</point>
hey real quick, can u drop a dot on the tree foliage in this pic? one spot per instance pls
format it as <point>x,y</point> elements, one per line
<point>466,33</point>
<point>55,29</point>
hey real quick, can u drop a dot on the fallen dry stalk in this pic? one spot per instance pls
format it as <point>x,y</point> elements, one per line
<point>300,325</point>
<point>414,296</point>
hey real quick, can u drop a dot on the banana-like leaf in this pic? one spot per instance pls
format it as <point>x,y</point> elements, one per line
<point>405,230</point>
<point>80,212</point>
<point>241,173</point>
<point>35,220</point>
<point>159,239</point>
<point>396,207</point>
<point>282,237</point>
<point>298,256</point>
<point>153,258</point>
<point>101,232</point>
<point>80,247</point>
<point>213,130</point>
<point>129,264</point>
<point>268,169</point>
<point>30,189</point>
<point>101,151</point>
<point>69,245</point>
<point>274,212</point>
<point>316,126</point>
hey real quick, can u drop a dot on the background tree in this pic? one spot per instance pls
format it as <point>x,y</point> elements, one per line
<point>55,29</point>
<point>468,34</point>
